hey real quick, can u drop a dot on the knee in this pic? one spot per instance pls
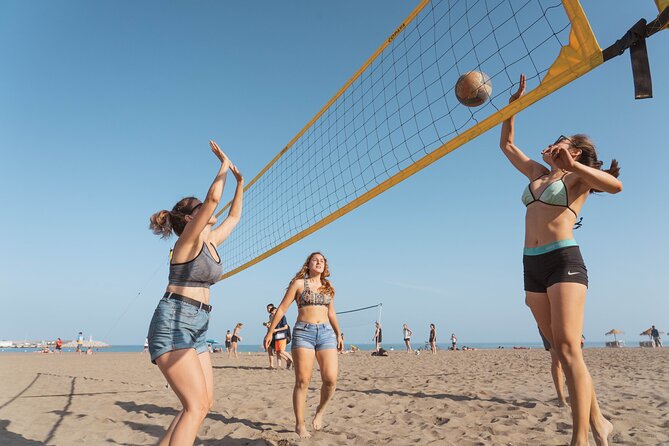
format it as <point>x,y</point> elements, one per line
<point>199,409</point>
<point>329,382</point>
<point>567,351</point>
<point>302,383</point>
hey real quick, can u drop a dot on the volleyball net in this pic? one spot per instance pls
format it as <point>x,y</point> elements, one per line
<point>398,113</point>
<point>359,323</point>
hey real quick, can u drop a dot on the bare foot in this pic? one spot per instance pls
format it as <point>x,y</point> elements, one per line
<point>301,430</point>
<point>317,423</point>
<point>601,432</point>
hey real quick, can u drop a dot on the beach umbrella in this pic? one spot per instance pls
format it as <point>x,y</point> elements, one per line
<point>212,341</point>
<point>645,332</point>
<point>614,332</point>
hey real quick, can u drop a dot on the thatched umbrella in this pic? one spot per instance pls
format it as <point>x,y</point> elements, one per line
<point>614,332</point>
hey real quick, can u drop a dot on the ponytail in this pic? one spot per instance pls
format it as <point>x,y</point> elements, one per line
<point>163,223</point>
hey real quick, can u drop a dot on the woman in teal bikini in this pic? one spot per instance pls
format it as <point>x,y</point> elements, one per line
<point>555,276</point>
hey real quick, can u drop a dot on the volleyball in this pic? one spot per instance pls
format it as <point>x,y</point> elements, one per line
<point>473,88</point>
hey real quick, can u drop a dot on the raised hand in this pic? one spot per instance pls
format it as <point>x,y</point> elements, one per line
<point>521,90</point>
<point>562,158</point>
<point>238,175</point>
<point>225,161</point>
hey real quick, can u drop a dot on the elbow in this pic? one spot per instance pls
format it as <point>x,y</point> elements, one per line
<point>616,188</point>
<point>214,200</point>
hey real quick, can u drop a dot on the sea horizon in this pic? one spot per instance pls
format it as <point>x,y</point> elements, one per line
<point>255,348</point>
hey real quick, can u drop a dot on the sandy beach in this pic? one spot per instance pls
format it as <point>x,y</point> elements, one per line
<point>484,397</point>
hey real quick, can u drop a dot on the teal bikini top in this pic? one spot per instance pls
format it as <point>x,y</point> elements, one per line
<point>555,194</point>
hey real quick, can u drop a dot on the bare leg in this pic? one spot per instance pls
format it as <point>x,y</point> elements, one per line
<point>559,314</point>
<point>270,354</point>
<point>328,361</point>
<point>289,359</point>
<point>304,365</point>
<point>556,372</point>
<point>183,371</point>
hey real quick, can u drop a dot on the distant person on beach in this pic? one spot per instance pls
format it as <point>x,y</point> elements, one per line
<point>378,336</point>
<point>342,349</point>
<point>280,337</point>
<point>454,342</point>
<point>228,342</point>
<point>555,276</point>
<point>655,334</point>
<point>235,338</point>
<point>316,336</point>
<point>178,330</point>
<point>270,351</point>
<point>59,346</point>
<point>433,338</point>
<point>80,343</point>
<point>556,371</point>
<point>406,334</point>
<point>146,346</point>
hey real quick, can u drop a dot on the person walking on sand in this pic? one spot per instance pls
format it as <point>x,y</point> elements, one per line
<point>236,338</point>
<point>178,330</point>
<point>316,336</point>
<point>433,338</point>
<point>655,334</point>
<point>59,346</point>
<point>454,342</point>
<point>280,339</point>
<point>80,343</point>
<point>228,342</point>
<point>556,371</point>
<point>270,350</point>
<point>406,334</point>
<point>555,276</point>
<point>378,336</point>
<point>146,346</point>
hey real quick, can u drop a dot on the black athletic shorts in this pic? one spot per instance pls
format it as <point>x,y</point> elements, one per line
<point>561,265</point>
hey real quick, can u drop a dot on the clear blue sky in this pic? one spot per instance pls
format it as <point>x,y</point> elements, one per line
<point>107,108</point>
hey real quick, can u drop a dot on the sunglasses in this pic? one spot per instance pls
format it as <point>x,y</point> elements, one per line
<point>563,138</point>
<point>195,208</point>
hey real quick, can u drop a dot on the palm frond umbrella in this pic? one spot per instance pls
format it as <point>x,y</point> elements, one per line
<point>614,332</point>
<point>646,332</point>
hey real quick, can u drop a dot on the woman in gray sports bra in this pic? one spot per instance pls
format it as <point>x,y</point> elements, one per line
<point>316,335</point>
<point>178,329</point>
<point>555,275</point>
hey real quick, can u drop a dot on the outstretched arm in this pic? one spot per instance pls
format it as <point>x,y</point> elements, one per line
<point>288,299</point>
<point>193,229</point>
<point>224,230</point>
<point>332,316</point>
<point>531,169</point>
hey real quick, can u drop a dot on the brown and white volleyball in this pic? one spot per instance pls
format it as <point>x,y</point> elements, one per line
<point>473,88</point>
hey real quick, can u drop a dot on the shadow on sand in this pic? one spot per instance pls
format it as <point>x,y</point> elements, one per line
<point>10,438</point>
<point>523,404</point>
<point>158,431</point>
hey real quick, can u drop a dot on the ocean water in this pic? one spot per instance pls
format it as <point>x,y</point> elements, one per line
<point>250,348</point>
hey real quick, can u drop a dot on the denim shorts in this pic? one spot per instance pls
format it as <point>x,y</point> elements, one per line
<point>313,336</point>
<point>177,325</point>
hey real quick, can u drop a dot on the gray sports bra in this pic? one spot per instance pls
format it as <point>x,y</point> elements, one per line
<point>203,271</point>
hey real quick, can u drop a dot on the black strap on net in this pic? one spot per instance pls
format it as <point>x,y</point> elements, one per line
<point>635,40</point>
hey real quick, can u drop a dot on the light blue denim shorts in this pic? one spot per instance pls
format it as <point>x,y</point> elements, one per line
<point>313,336</point>
<point>176,325</point>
